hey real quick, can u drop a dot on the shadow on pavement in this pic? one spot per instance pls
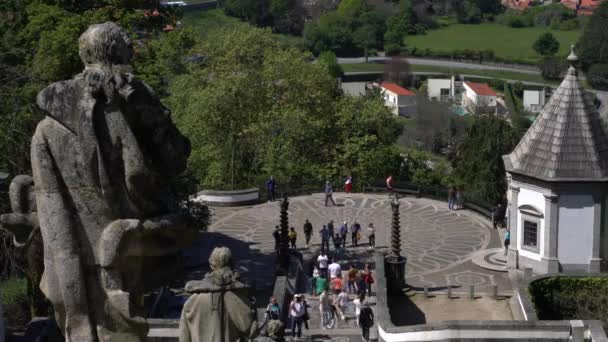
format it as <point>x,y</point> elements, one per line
<point>403,311</point>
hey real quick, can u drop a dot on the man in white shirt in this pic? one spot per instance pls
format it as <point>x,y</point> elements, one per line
<point>334,270</point>
<point>340,301</point>
<point>323,260</point>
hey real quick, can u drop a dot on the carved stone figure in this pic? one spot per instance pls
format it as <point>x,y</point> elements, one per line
<point>102,160</point>
<point>23,224</point>
<point>218,309</point>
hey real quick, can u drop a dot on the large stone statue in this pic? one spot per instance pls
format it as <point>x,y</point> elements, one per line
<point>102,161</point>
<point>218,309</point>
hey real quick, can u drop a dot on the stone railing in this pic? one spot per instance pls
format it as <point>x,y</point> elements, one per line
<point>529,330</point>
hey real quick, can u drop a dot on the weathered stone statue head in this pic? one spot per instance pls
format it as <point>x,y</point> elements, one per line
<point>105,44</point>
<point>103,161</point>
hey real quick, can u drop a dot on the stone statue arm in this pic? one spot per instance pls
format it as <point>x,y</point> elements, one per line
<point>240,314</point>
<point>64,280</point>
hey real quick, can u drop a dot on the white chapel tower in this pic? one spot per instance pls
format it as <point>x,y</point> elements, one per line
<point>558,186</point>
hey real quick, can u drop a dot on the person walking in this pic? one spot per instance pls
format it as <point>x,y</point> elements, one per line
<point>348,185</point>
<point>507,241</point>
<point>322,284</point>
<point>343,233</point>
<point>297,309</point>
<point>326,311</point>
<point>459,200</point>
<point>352,279</point>
<point>372,235</point>
<point>277,238</point>
<point>368,277</point>
<point>334,270</point>
<point>329,190</point>
<point>451,198</point>
<point>324,239</point>
<point>323,260</point>
<point>341,301</point>
<point>337,284</point>
<point>361,285</point>
<point>270,188</point>
<point>358,303</point>
<point>498,216</point>
<point>390,181</point>
<point>307,232</point>
<point>273,310</point>
<point>366,320</point>
<point>354,231</point>
<point>293,236</point>
<point>312,282</point>
<point>330,227</point>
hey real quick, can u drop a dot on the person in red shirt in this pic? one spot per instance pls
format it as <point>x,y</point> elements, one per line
<point>368,278</point>
<point>348,186</point>
<point>337,284</point>
<point>390,181</point>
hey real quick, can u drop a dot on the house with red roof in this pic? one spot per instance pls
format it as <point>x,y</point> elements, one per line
<point>517,4</point>
<point>582,7</point>
<point>401,101</point>
<point>479,98</point>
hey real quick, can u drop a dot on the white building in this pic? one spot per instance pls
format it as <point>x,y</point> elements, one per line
<point>400,100</point>
<point>444,89</point>
<point>534,100</point>
<point>558,186</point>
<point>479,98</point>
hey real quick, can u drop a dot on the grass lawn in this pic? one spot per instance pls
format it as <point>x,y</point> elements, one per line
<point>506,42</point>
<point>205,21</point>
<point>505,75</point>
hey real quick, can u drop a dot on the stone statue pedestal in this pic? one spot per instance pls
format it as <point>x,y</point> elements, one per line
<point>395,273</point>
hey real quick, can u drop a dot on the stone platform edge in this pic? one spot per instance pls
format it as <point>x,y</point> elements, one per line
<point>229,198</point>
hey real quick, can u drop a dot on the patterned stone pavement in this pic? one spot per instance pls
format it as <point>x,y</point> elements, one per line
<point>439,243</point>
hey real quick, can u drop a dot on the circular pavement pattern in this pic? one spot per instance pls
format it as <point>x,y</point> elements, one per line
<point>433,238</point>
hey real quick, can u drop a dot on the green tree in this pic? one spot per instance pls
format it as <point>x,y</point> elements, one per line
<point>470,13</point>
<point>593,44</point>
<point>329,61</point>
<point>546,45</point>
<point>394,38</point>
<point>352,8</point>
<point>597,76</point>
<point>478,162</point>
<point>365,38</point>
<point>332,32</point>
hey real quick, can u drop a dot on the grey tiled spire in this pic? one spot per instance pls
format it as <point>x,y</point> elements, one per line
<point>567,142</point>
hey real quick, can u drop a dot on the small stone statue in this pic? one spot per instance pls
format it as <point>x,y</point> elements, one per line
<point>276,331</point>
<point>218,309</point>
<point>103,160</point>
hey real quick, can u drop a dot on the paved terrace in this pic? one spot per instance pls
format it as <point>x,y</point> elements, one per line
<point>440,244</point>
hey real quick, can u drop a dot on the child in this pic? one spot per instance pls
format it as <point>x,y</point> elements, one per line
<point>293,235</point>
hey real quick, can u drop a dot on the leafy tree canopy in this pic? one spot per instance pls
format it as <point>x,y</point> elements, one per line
<point>546,45</point>
<point>593,44</point>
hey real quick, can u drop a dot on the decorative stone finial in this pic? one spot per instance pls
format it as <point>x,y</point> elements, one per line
<point>572,58</point>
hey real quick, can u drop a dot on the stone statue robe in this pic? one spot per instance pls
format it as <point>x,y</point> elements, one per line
<point>217,314</point>
<point>95,162</point>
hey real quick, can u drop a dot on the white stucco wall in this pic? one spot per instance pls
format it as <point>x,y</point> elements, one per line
<point>537,200</point>
<point>435,85</point>
<point>390,100</point>
<point>575,229</point>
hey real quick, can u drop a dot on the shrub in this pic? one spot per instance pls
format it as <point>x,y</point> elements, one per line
<point>597,76</point>
<point>558,298</point>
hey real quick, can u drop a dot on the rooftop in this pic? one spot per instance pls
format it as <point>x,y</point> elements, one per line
<point>481,89</point>
<point>567,141</point>
<point>397,89</point>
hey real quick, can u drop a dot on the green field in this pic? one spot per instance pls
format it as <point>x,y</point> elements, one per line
<point>505,75</point>
<point>506,42</point>
<point>205,21</point>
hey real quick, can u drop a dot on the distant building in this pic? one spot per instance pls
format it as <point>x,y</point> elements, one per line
<point>445,89</point>
<point>517,4</point>
<point>400,100</point>
<point>534,100</point>
<point>582,7</point>
<point>558,186</point>
<point>479,98</point>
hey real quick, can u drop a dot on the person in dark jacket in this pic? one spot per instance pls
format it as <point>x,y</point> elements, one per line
<point>270,188</point>
<point>307,232</point>
<point>366,320</point>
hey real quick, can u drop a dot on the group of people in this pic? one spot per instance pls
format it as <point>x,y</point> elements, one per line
<point>339,237</point>
<point>328,233</point>
<point>328,283</point>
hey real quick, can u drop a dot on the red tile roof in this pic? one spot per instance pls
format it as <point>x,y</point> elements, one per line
<point>517,4</point>
<point>481,89</point>
<point>397,89</point>
<point>585,7</point>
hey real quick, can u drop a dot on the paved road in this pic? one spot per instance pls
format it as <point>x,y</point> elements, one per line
<point>524,69</point>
